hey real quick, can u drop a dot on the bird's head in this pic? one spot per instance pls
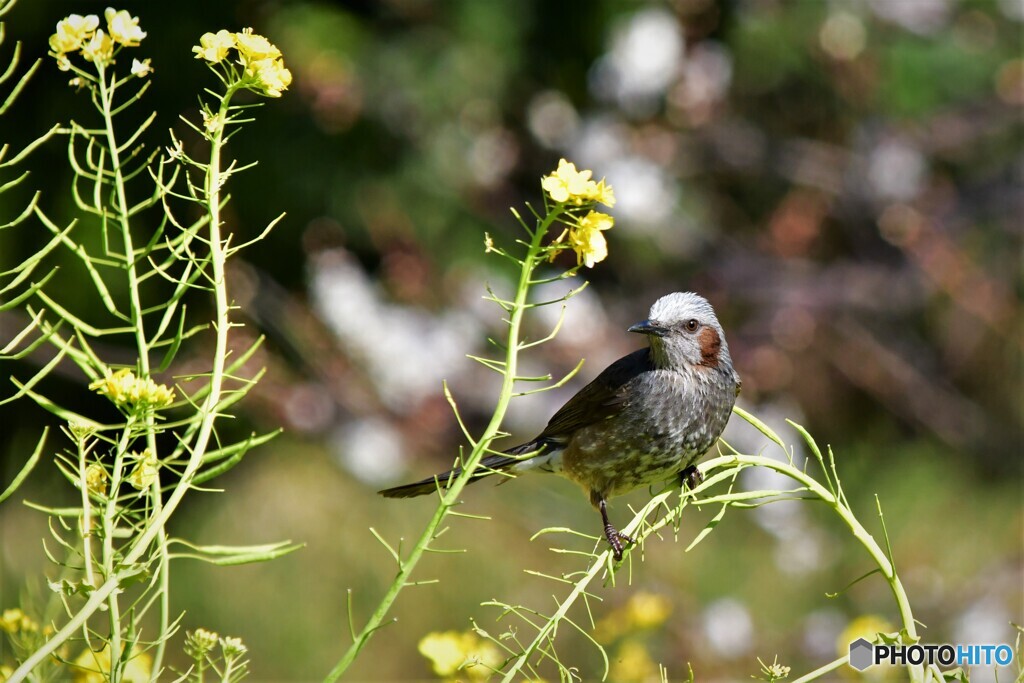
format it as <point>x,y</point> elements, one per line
<point>684,332</point>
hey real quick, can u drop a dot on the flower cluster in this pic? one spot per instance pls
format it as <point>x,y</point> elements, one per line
<point>568,185</point>
<point>125,389</point>
<point>145,471</point>
<point>576,189</point>
<point>199,642</point>
<point>14,620</point>
<point>96,479</point>
<point>76,32</point>
<point>466,653</point>
<point>260,59</point>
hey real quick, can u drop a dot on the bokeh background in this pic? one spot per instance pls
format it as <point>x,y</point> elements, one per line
<point>842,179</point>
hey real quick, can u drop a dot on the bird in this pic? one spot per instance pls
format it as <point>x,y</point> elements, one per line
<point>648,417</point>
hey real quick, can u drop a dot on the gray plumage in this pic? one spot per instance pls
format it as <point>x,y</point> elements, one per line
<point>647,417</point>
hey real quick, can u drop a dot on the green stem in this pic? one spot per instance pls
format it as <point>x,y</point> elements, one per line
<point>450,496</point>
<point>208,414</point>
<point>819,491</point>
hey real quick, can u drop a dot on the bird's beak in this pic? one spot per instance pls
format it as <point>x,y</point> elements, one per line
<point>648,327</point>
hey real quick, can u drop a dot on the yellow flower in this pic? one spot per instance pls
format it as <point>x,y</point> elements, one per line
<point>213,47</point>
<point>146,469</point>
<point>272,75</point>
<point>72,32</point>
<point>123,388</point>
<point>141,69</point>
<point>867,626</point>
<point>14,620</point>
<point>123,27</point>
<point>99,49</point>
<point>603,193</point>
<point>253,47</point>
<point>451,651</point>
<point>632,663</point>
<point>647,610</point>
<point>212,122</point>
<point>94,667</point>
<point>566,183</point>
<point>586,238</point>
<point>96,478</point>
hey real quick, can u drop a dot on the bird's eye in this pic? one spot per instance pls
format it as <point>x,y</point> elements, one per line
<point>692,325</point>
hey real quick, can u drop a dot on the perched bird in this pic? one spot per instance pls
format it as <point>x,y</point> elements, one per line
<point>648,417</point>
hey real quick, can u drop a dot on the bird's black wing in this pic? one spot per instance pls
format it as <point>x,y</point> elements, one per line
<point>600,399</point>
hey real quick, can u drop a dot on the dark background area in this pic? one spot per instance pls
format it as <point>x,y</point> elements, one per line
<point>841,180</point>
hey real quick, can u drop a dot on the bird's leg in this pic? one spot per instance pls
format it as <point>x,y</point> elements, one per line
<point>614,536</point>
<point>692,477</point>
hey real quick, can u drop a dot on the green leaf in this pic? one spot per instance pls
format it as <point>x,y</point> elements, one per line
<point>228,555</point>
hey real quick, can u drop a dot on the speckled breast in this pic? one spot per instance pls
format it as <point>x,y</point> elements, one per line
<point>656,435</point>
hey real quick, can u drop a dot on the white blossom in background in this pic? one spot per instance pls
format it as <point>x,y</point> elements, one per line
<point>821,631</point>
<point>923,17</point>
<point>801,546</point>
<point>370,448</point>
<point>644,59</point>
<point>896,170</point>
<point>707,75</point>
<point>406,350</point>
<point>987,620</point>
<point>728,628</point>
<point>552,119</point>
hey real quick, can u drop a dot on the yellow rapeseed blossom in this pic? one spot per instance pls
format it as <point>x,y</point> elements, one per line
<point>96,478</point>
<point>271,74</point>
<point>632,662</point>
<point>604,194</point>
<point>123,27</point>
<point>260,59</point>
<point>94,667</point>
<point>14,620</point>
<point>213,47</point>
<point>253,47</point>
<point>99,49</point>
<point>567,184</point>
<point>464,652</point>
<point>72,32</point>
<point>643,610</point>
<point>212,122</point>
<point>146,469</point>
<point>647,610</point>
<point>124,388</point>
<point>867,626</point>
<point>586,239</point>
<point>141,69</point>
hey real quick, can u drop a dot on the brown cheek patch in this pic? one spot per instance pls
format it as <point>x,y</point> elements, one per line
<point>710,345</point>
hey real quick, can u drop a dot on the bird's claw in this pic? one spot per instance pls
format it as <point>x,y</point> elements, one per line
<point>692,477</point>
<point>615,539</point>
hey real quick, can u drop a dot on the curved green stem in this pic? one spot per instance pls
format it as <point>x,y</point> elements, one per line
<point>833,500</point>
<point>450,496</point>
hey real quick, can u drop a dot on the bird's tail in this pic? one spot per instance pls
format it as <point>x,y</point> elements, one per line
<point>488,466</point>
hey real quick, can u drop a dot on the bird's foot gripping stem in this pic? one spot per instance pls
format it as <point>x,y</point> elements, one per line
<point>614,536</point>
<point>692,477</point>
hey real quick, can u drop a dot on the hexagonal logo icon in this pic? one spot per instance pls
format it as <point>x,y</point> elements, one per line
<point>861,654</point>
